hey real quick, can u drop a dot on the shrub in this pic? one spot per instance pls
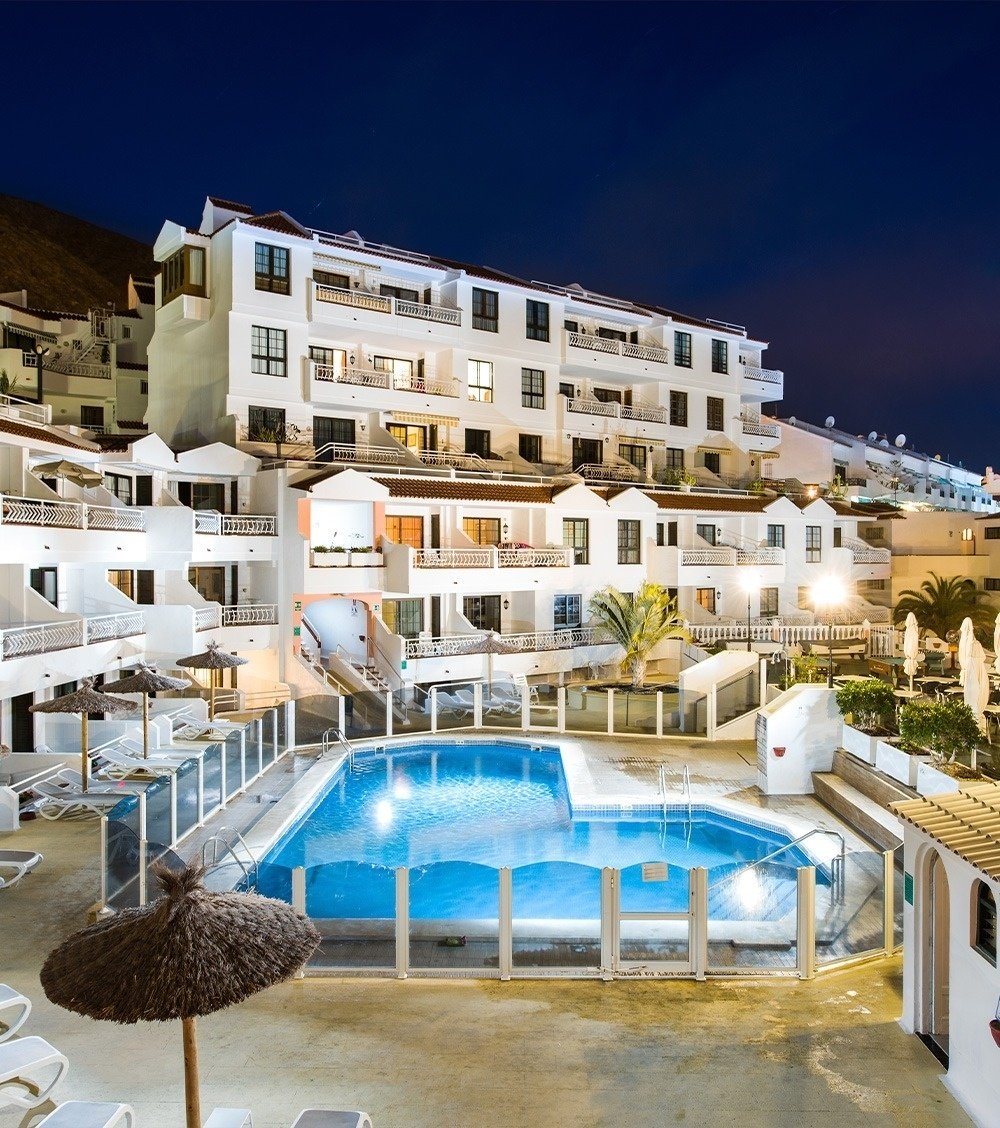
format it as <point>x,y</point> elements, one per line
<point>944,728</point>
<point>868,702</point>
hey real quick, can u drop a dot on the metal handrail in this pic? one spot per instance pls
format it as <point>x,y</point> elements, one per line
<point>220,838</point>
<point>838,864</point>
<point>326,742</point>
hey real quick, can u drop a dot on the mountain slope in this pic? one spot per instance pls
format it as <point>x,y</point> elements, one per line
<point>64,262</point>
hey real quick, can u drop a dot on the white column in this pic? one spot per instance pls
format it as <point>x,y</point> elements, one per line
<point>610,921</point>
<point>805,930</point>
<point>506,921</point>
<point>402,921</point>
<point>698,897</point>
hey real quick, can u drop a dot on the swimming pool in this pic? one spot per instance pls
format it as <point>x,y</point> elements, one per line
<point>454,812</point>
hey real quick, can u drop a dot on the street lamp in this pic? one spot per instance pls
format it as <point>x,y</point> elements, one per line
<point>829,592</point>
<point>41,352</point>
<point>750,582</point>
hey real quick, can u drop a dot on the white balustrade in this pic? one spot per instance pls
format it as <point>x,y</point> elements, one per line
<point>763,375</point>
<point>205,618</point>
<point>13,407</point>
<point>36,511</point>
<point>117,518</point>
<point>356,452</point>
<point>607,472</point>
<point>207,521</point>
<point>42,638</point>
<point>753,426</point>
<point>594,343</point>
<point>429,385</point>
<point>248,525</point>
<point>102,628</point>
<point>785,634</point>
<point>760,556</point>
<point>647,413</point>
<point>865,553</point>
<point>535,557</point>
<point>585,405</point>
<point>378,303</point>
<point>529,642</point>
<point>707,557</point>
<point>444,315</point>
<point>454,557</point>
<point>645,352</point>
<point>612,345</point>
<point>250,614</point>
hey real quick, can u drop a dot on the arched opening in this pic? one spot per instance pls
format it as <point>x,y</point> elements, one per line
<point>936,926</point>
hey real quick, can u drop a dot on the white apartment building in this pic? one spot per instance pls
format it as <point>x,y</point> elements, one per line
<point>873,467</point>
<point>89,367</point>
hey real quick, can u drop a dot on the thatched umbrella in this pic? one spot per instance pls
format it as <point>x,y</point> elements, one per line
<point>145,680</point>
<point>186,954</point>
<point>212,659</point>
<point>85,700</point>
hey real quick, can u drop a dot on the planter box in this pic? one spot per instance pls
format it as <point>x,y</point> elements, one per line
<point>930,781</point>
<point>896,763</point>
<point>859,743</point>
<point>366,559</point>
<point>330,559</point>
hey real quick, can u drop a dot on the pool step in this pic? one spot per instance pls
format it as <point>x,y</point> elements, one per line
<point>868,817</point>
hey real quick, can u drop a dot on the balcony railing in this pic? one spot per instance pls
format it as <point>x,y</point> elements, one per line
<point>648,414</point>
<point>607,472</point>
<point>12,407</point>
<point>43,638</point>
<point>707,557</point>
<point>584,405</point>
<point>457,460</point>
<point>587,405</point>
<point>489,557</point>
<point>753,426</point>
<point>378,303</point>
<point>211,521</point>
<point>250,615</point>
<point>865,553</point>
<point>614,347</point>
<point>357,452</point>
<point>760,556</point>
<point>16,510</point>
<point>448,646</point>
<point>763,375</point>
<point>373,378</point>
<point>205,618</point>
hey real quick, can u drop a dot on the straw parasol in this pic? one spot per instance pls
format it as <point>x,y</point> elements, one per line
<point>212,659</point>
<point>911,647</point>
<point>85,700</point>
<point>996,644</point>
<point>188,953</point>
<point>145,680</point>
<point>71,471</point>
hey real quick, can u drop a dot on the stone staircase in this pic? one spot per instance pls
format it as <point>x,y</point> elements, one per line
<point>860,795</point>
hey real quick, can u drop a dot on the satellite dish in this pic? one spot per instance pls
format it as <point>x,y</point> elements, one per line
<point>873,436</point>
<point>830,421</point>
<point>791,420</point>
<point>883,442</point>
<point>901,441</point>
<point>937,457</point>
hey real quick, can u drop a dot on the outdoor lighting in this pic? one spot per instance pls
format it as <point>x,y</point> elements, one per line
<point>41,352</point>
<point>829,592</point>
<point>748,889</point>
<point>383,813</point>
<point>750,582</point>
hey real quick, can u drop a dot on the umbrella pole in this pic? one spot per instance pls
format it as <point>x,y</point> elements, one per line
<point>84,757</point>
<point>211,696</point>
<point>145,726</point>
<point>192,1099</point>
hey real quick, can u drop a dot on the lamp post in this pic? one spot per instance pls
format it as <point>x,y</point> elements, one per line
<point>751,583</point>
<point>41,352</point>
<point>829,592</point>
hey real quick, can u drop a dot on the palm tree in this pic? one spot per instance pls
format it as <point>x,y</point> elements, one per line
<point>942,602</point>
<point>638,623</point>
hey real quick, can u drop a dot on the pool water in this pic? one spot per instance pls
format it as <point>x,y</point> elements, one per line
<point>455,812</point>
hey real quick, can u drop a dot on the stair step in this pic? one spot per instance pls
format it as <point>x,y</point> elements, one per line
<point>869,780</point>
<point>864,814</point>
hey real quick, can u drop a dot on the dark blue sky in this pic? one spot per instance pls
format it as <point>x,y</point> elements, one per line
<point>826,173</point>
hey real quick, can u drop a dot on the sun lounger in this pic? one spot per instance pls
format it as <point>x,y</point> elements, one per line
<point>25,1064</point>
<point>90,1114</point>
<point>14,1010</point>
<point>230,1118</point>
<point>56,802</point>
<point>119,765</point>
<point>324,1118</point>
<point>16,864</point>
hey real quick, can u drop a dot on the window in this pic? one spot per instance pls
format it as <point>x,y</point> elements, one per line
<point>536,320</point>
<point>705,598</point>
<point>768,602</point>
<point>183,273</point>
<point>567,390</point>
<point>991,584</point>
<point>720,356</point>
<point>532,387</point>
<point>400,372</point>
<point>271,268</point>
<point>268,354</point>
<point>805,599</point>
<point>984,936</point>
<point>481,381</point>
<point>328,278</point>
<point>46,582</point>
<point>266,424</point>
<point>571,326</point>
<point>678,409</point>
<point>483,612</point>
<point>124,580</point>
<point>333,362</point>
<point>838,537</point>
<point>402,293</point>
<point>660,542</point>
<point>576,535</point>
<point>143,387</point>
<point>410,435</point>
<point>706,532</point>
<point>126,332</point>
<point>477,442</point>
<point>840,473</point>
<point>628,542</point>
<point>672,534</point>
<point>404,617</point>
<point>92,416</point>
<point>814,544</point>
<point>713,461</point>
<point>872,532</point>
<point>634,453</point>
<point>328,429</point>
<point>484,310</point>
<point>992,532</point>
<point>611,334</point>
<point>715,420</point>
<point>529,447</point>
<point>405,530</point>
<point>607,395</point>
<point>776,536</point>
<point>875,585</point>
<point>675,458</point>
<point>482,530</point>
<point>120,486</point>
<point>566,611</point>
<point>682,349</point>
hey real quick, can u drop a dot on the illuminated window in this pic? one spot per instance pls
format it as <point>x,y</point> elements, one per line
<point>481,381</point>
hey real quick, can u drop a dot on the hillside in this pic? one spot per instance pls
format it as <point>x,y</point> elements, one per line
<point>64,262</point>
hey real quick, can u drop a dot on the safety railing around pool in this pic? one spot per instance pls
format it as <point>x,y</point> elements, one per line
<point>153,818</point>
<point>465,919</point>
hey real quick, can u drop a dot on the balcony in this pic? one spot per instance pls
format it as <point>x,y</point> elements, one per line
<point>43,638</point>
<point>762,383</point>
<point>42,513</point>
<point>208,618</point>
<point>607,472</point>
<point>328,300</point>
<point>475,568</point>
<point>360,453</point>
<point>865,553</point>
<point>38,414</point>
<point>585,350</point>
<point>458,460</point>
<point>531,642</point>
<point>490,557</point>
<point>751,425</point>
<point>211,522</point>
<point>250,615</point>
<point>388,381</point>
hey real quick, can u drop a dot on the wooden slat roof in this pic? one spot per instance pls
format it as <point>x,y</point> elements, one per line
<point>967,822</point>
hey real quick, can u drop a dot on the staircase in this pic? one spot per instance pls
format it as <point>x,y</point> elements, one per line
<point>860,795</point>
<point>88,360</point>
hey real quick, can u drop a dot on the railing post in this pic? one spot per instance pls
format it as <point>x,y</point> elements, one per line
<point>434,708</point>
<point>506,922</point>
<point>143,849</point>
<point>243,759</point>
<point>711,705</point>
<point>659,712</point>
<point>698,898</point>
<point>342,714</point>
<point>173,808</point>
<point>525,708</point>
<point>560,708</point>
<point>299,889</point>
<point>388,712</point>
<point>888,901</point>
<point>805,925</point>
<point>201,791</point>
<point>103,902</point>
<point>402,921</point>
<point>611,712</point>
<point>223,800</point>
<point>762,699</point>
<point>477,704</point>
<point>610,922</point>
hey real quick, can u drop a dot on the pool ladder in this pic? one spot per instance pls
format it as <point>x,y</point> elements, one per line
<point>838,863</point>
<point>228,838</point>
<point>686,787</point>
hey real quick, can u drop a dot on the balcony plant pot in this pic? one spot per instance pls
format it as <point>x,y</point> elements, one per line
<point>858,743</point>
<point>366,559</point>
<point>330,559</point>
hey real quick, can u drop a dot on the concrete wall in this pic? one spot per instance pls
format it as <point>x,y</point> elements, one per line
<point>806,722</point>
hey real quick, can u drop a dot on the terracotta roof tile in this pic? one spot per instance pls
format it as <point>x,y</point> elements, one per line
<point>45,434</point>
<point>452,490</point>
<point>50,314</point>
<point>278,221</point>
<point>133,366</point>
<point>229,205</point>
<point>713,503</point>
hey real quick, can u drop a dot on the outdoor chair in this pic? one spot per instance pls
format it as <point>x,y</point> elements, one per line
<point>90,1114</point>
<point>120,765</point>
<point>57,802</point>
<point>24,1066</point>
<point>230,1118</point>
<point>15,864</point>
<point>322,1118</point>
<point>18,1006</point>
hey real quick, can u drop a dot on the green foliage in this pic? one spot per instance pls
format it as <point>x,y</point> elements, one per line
<point>638,623</point>
<point>944,728</point>
<point>674,477</point>
<point>757,486</point>
<point>806,668</point>
<point>941,603</point>
<point>868,702</point>
<point>7,385</point>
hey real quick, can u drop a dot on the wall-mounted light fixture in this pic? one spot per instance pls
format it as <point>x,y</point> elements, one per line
<point>506,604</point>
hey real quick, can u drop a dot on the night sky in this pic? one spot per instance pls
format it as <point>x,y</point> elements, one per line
<point>826,173</point>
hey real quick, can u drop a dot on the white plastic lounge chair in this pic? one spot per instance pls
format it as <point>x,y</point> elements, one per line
<point>230,1118</point>
<point>324,1118</point>
<point>120,765</point>
<point>24,1066</point>
<point>452,703</point>
<point>57,802</point>
<point>14,1010</point>
<point>16,863</point>
<point>90,1114</point>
